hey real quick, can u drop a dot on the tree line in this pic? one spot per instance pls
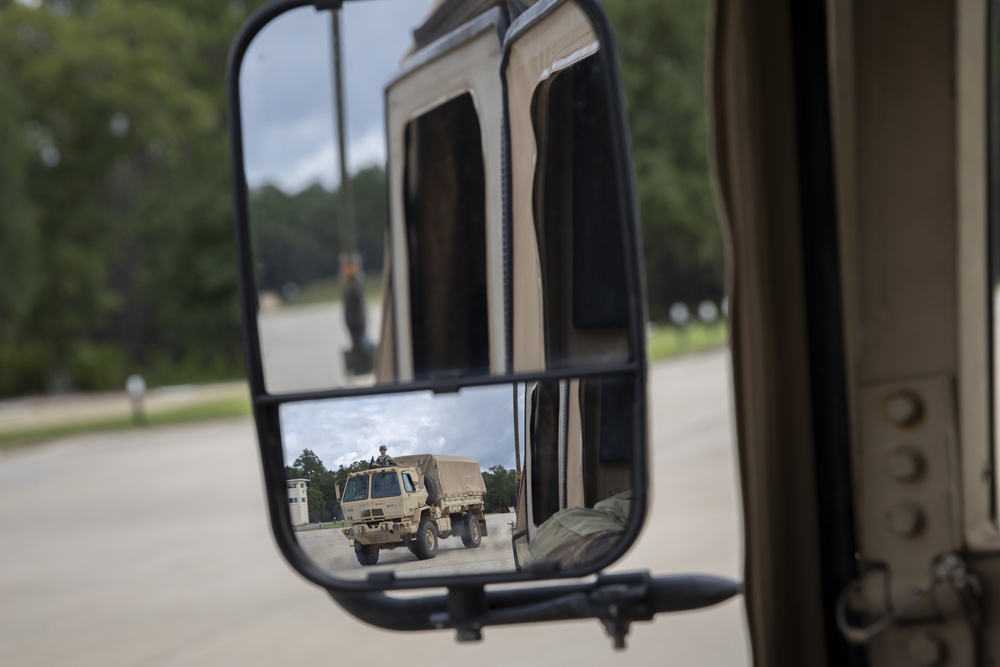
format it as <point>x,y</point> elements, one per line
<point>294,239</point>
<point>661,48</point>
<point>116,233</point>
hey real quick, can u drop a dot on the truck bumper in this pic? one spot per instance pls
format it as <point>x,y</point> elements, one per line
<point>387,532</point>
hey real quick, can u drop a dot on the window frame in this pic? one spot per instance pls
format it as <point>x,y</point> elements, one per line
<point>976,205</point>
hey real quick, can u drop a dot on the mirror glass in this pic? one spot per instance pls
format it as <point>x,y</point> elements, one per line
<point>405,269</point>
<point>488,479</point>
<point>395,239</point>
<point>467,442</point>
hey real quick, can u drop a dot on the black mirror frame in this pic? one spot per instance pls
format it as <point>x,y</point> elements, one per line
<point>266,406</point>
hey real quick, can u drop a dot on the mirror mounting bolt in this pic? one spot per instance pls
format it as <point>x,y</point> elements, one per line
<point>903,408</point>
<point>618,630</point>
<point>468,634</point>
<point>464,604</point>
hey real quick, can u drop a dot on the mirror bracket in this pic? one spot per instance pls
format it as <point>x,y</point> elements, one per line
<point>383,579</point>
<point>322,5</point>
<point>617,600</point>
<point>466,604</point>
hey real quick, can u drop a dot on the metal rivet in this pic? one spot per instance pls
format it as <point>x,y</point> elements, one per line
<point>906,464</point>
<point>905,520</point>
<point>926,650</point>
<point>903,408</point>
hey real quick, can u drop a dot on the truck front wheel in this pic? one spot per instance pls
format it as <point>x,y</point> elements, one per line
<point>367,553</point>
<point>426,541</point>
<point>471,536</point>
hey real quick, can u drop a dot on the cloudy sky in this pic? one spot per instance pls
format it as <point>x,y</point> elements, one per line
<point>476,422</point>
<point>286,89</point>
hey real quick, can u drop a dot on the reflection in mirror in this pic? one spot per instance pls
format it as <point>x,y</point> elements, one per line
<point>444,126</point>
<point>570,289</point>
<point>444,182</point>
<point>489,479</point>
<point>577,480</point>
<point>318,239</point>
<point>372,464</point>
<point>404,269</point>
<point>583,274</point>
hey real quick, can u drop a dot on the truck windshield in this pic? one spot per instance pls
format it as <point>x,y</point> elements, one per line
<point>385,484</point>
<point>357,489</point>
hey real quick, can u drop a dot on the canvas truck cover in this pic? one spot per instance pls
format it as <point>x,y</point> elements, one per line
<point>455,475</point>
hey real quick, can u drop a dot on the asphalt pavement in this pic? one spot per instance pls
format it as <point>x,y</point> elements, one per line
<point>151,547</point>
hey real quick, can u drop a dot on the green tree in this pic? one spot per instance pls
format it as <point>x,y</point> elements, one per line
<point>661,48</point>
<point>372,215</point>
<point>296,236</point>
<point>309,466</point>
<point>114,150</point>
<point>501,489</point>
<point>317,504</point>
<point>20,241</point>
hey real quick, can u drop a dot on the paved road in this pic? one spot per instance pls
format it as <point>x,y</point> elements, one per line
<point>153,550</point>
<point>302,346</point>
<point>331,550</point>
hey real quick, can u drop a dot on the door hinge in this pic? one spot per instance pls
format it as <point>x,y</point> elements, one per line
<point>915,602</point>
<point>948,575</point>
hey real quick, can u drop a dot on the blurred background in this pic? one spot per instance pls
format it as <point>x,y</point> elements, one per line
<point>118,260</point>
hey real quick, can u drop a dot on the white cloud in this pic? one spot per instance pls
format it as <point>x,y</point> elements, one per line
<point>475,422</point>
<point>286,88</point>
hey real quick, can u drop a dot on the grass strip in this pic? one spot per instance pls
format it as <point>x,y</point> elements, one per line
<point>667,341</point>
<point>221,408</point>
<point>664,342</point>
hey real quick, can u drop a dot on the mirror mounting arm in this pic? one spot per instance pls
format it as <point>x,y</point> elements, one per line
<point>328,4</point>
<point>617,600</point>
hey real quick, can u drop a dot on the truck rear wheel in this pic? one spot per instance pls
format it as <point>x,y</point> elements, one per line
<point>471,535</point>
<point>425,544</point>
<point>367,553</point>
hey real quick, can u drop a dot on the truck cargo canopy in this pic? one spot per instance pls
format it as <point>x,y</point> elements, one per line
<point>455,475</point>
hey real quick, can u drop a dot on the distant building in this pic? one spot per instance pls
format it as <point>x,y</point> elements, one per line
<point>298,501</point>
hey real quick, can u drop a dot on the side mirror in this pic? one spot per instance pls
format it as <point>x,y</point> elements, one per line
<point>439,252</point>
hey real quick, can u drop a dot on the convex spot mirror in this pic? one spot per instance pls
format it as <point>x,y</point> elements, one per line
<point>439,254</point>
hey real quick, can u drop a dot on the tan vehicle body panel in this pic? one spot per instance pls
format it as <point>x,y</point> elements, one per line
<point>908,93</point>
<point>391,522</point>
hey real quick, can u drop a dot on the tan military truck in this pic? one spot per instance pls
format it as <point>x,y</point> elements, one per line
<point>422,498</point>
